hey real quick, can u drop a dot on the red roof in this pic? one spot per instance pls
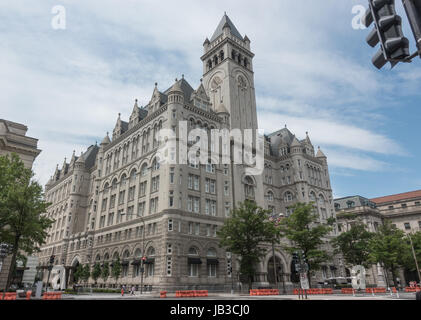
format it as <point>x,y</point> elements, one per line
<point>398,197</point>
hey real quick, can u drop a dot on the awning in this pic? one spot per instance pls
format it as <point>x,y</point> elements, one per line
<point>149,261</point>
<point>125,263</point>
<point>194,261</point>
<point>212,261</point>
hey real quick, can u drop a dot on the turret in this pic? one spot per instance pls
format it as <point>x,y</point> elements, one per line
<point>175,95</point>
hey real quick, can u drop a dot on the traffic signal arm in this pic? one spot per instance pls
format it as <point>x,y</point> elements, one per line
<point>413,11</point>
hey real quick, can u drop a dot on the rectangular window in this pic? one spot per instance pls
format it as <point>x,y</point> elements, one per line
<point>141,208</point>
<point>170,225</point>
<point>190,227</point>
<point>196,207</point>
<point>208,230</point>
<point>142,189</point>
<point>131,193</point>
<point>172,175</point>
<point>197,229</point>
<point>407,226</point>
<point>169,266</point>
<point>212,270</point>
<point>121,197</point>
<point>193,270</point>
<point>171,199</point>
<point>190,204</point>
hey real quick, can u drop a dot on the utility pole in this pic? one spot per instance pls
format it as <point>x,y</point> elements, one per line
<point>415,257</point>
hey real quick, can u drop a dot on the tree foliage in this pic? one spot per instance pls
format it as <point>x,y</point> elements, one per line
<point>105,271</point>
<point>116,269</point>
<point>96,272</point>
<point>21,207</point>
<point>305,235</point>
<point>389,248</point>
<point>244,234</point>
<point>354,244</point>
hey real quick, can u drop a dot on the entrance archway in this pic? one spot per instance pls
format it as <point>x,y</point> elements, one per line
<point>75,264</point>
<point>279,270</point>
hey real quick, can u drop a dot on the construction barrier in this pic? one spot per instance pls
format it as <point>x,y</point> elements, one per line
<point>347,290</point>
<point>314,291</point>
<point>28,295</point>
<point>375,290</point>
<point>51,296</point>
<point>412,289</point>
<point>163,294</point>
<point>10,296</point>
<point>264,292</point>
<point>191,293</point>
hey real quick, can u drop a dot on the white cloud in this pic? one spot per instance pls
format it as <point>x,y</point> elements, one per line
<point>72,83</point>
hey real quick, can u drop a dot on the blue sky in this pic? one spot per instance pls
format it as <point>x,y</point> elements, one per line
<point>313,72</point>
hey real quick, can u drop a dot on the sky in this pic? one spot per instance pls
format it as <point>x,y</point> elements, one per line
<point>313,73</point>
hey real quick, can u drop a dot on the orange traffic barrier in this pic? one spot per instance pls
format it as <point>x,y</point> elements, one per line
<point>163,294</point>
<point>10,296</point>
<point>347,290</point>
<point>28,295</point>
<point>264,292</point>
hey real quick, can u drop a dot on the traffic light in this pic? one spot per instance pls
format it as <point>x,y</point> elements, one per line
<point>52,259</point>
<point>295,257</point>
<point>304,257</point>
<point>394,47</point>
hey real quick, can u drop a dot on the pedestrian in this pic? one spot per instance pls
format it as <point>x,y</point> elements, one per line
<point>122,290</point>
<point>132,291</point>
<point>418,295</point>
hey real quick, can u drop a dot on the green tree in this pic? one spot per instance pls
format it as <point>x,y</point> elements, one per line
<point>116,269</point>
<point>86,273</point>
<point>78,274</point>
<point>21,207</point>
<point>306,236</point>
<point>245,233</point>
<point>105,272</point>
<point>96,272</point>
<point>354,244</point>
<point>389,248</point>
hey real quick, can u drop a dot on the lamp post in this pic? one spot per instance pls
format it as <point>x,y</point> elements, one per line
<point>415,256</point>
<point>275,218</point>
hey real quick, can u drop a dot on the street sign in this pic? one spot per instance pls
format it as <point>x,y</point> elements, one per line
<point>304,281</point>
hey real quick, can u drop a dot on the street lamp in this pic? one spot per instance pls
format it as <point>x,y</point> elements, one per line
<point>415,257</point>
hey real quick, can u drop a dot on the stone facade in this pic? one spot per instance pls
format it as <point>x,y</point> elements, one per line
<point>118,200</point>
<point>13,139</point>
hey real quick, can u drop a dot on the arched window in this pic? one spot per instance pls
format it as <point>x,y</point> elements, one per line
<point>193,262</point>
<point>288,196</point>
<point>98,258</point>
<point>221,55</point>
<point>138,253</point>
<point>133,176</point>
<point>269,196</point>
<point>150,262</point>
<point>211,252</point>
<point>144,169</point>
<point>321,199</point>
<point>155,164</point>
<point>193,251</point>
<point>312,196</point>
<point>106,257</point>
<point>114,185</point>
<point>123,180</point>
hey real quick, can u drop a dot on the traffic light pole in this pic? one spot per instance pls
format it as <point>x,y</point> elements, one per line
<point>413,12</point>
<point>415,257</point>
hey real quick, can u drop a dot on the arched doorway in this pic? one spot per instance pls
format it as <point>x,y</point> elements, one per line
<point>73,268</point>
<point>271,273</point>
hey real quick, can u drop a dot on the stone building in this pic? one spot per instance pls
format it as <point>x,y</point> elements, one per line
<point>403,210</point>
<point>118,200</point>
<point>13,139</point>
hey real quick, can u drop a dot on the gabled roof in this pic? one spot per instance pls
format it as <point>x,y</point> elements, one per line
<point>219,29</point>
<point>398,197</point>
